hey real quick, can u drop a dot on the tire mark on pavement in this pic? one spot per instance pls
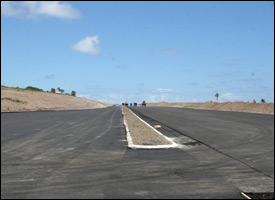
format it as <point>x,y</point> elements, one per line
<point>205,144</point>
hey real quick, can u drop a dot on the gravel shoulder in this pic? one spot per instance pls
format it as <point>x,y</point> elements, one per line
<point>140,135</point>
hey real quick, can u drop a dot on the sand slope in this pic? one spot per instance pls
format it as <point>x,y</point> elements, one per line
<point>13,100</point>
<point>267,108</point>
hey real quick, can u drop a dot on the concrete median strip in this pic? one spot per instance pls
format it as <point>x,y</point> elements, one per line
<point>140,135</point>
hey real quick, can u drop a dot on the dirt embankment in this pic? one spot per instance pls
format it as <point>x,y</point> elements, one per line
<point>267,108</point>
<point>13,100</point>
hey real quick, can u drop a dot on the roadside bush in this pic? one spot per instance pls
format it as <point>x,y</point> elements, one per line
<point>52,90</point>
<point>60,90</point>
<point>34,89</point>
<point>73,93</point>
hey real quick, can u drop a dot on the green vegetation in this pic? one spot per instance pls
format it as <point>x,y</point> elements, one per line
<point>22,89</point>
<point>16,88</point>
<point>60,90</point>
<point>73,93</point>
<point>13,100</point>
<point>34,89</point>
<point>31,88</point>
<point>262,101</point>
<point>217,96</point>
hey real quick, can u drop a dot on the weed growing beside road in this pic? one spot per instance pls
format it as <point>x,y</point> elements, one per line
<point>13,100</point>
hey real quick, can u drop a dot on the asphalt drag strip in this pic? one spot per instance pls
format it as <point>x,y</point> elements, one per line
<point>184,127</point>
<point>84,154</point>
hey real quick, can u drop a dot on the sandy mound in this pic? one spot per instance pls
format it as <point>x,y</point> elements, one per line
<point>13,100</point>
<point>267,108</point>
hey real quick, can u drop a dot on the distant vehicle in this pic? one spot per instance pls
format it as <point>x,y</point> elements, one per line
<point>143,103</point>
<point>135,104</point>
<point>126,104</point>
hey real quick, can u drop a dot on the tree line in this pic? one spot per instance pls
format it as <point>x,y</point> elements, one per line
<point>73,93</point>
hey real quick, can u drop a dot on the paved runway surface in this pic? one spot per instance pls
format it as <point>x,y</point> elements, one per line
<point>84,154</point>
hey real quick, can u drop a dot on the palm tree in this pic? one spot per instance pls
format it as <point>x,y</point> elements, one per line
<point>60,90</point>
<point>217,96</point>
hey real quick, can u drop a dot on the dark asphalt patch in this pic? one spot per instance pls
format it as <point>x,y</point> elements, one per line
<point>259,195</point>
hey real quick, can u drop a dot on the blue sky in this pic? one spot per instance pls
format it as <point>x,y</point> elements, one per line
<point>135,51</point>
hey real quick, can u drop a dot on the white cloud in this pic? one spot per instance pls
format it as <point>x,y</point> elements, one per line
<point>10,9</point>
<point>193,100</point>
<point>229,97</point>
<point>117,97</point>
<point>169,97</point>
<point>163,90</point>
<point>89,45</point>
<point>113,98</point>
<point>32,9</point>
<point>211,85</point>
<point>153,99</point>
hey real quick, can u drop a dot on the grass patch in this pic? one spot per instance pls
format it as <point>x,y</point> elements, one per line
<point>13,100</point>
<point>12,88</point>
